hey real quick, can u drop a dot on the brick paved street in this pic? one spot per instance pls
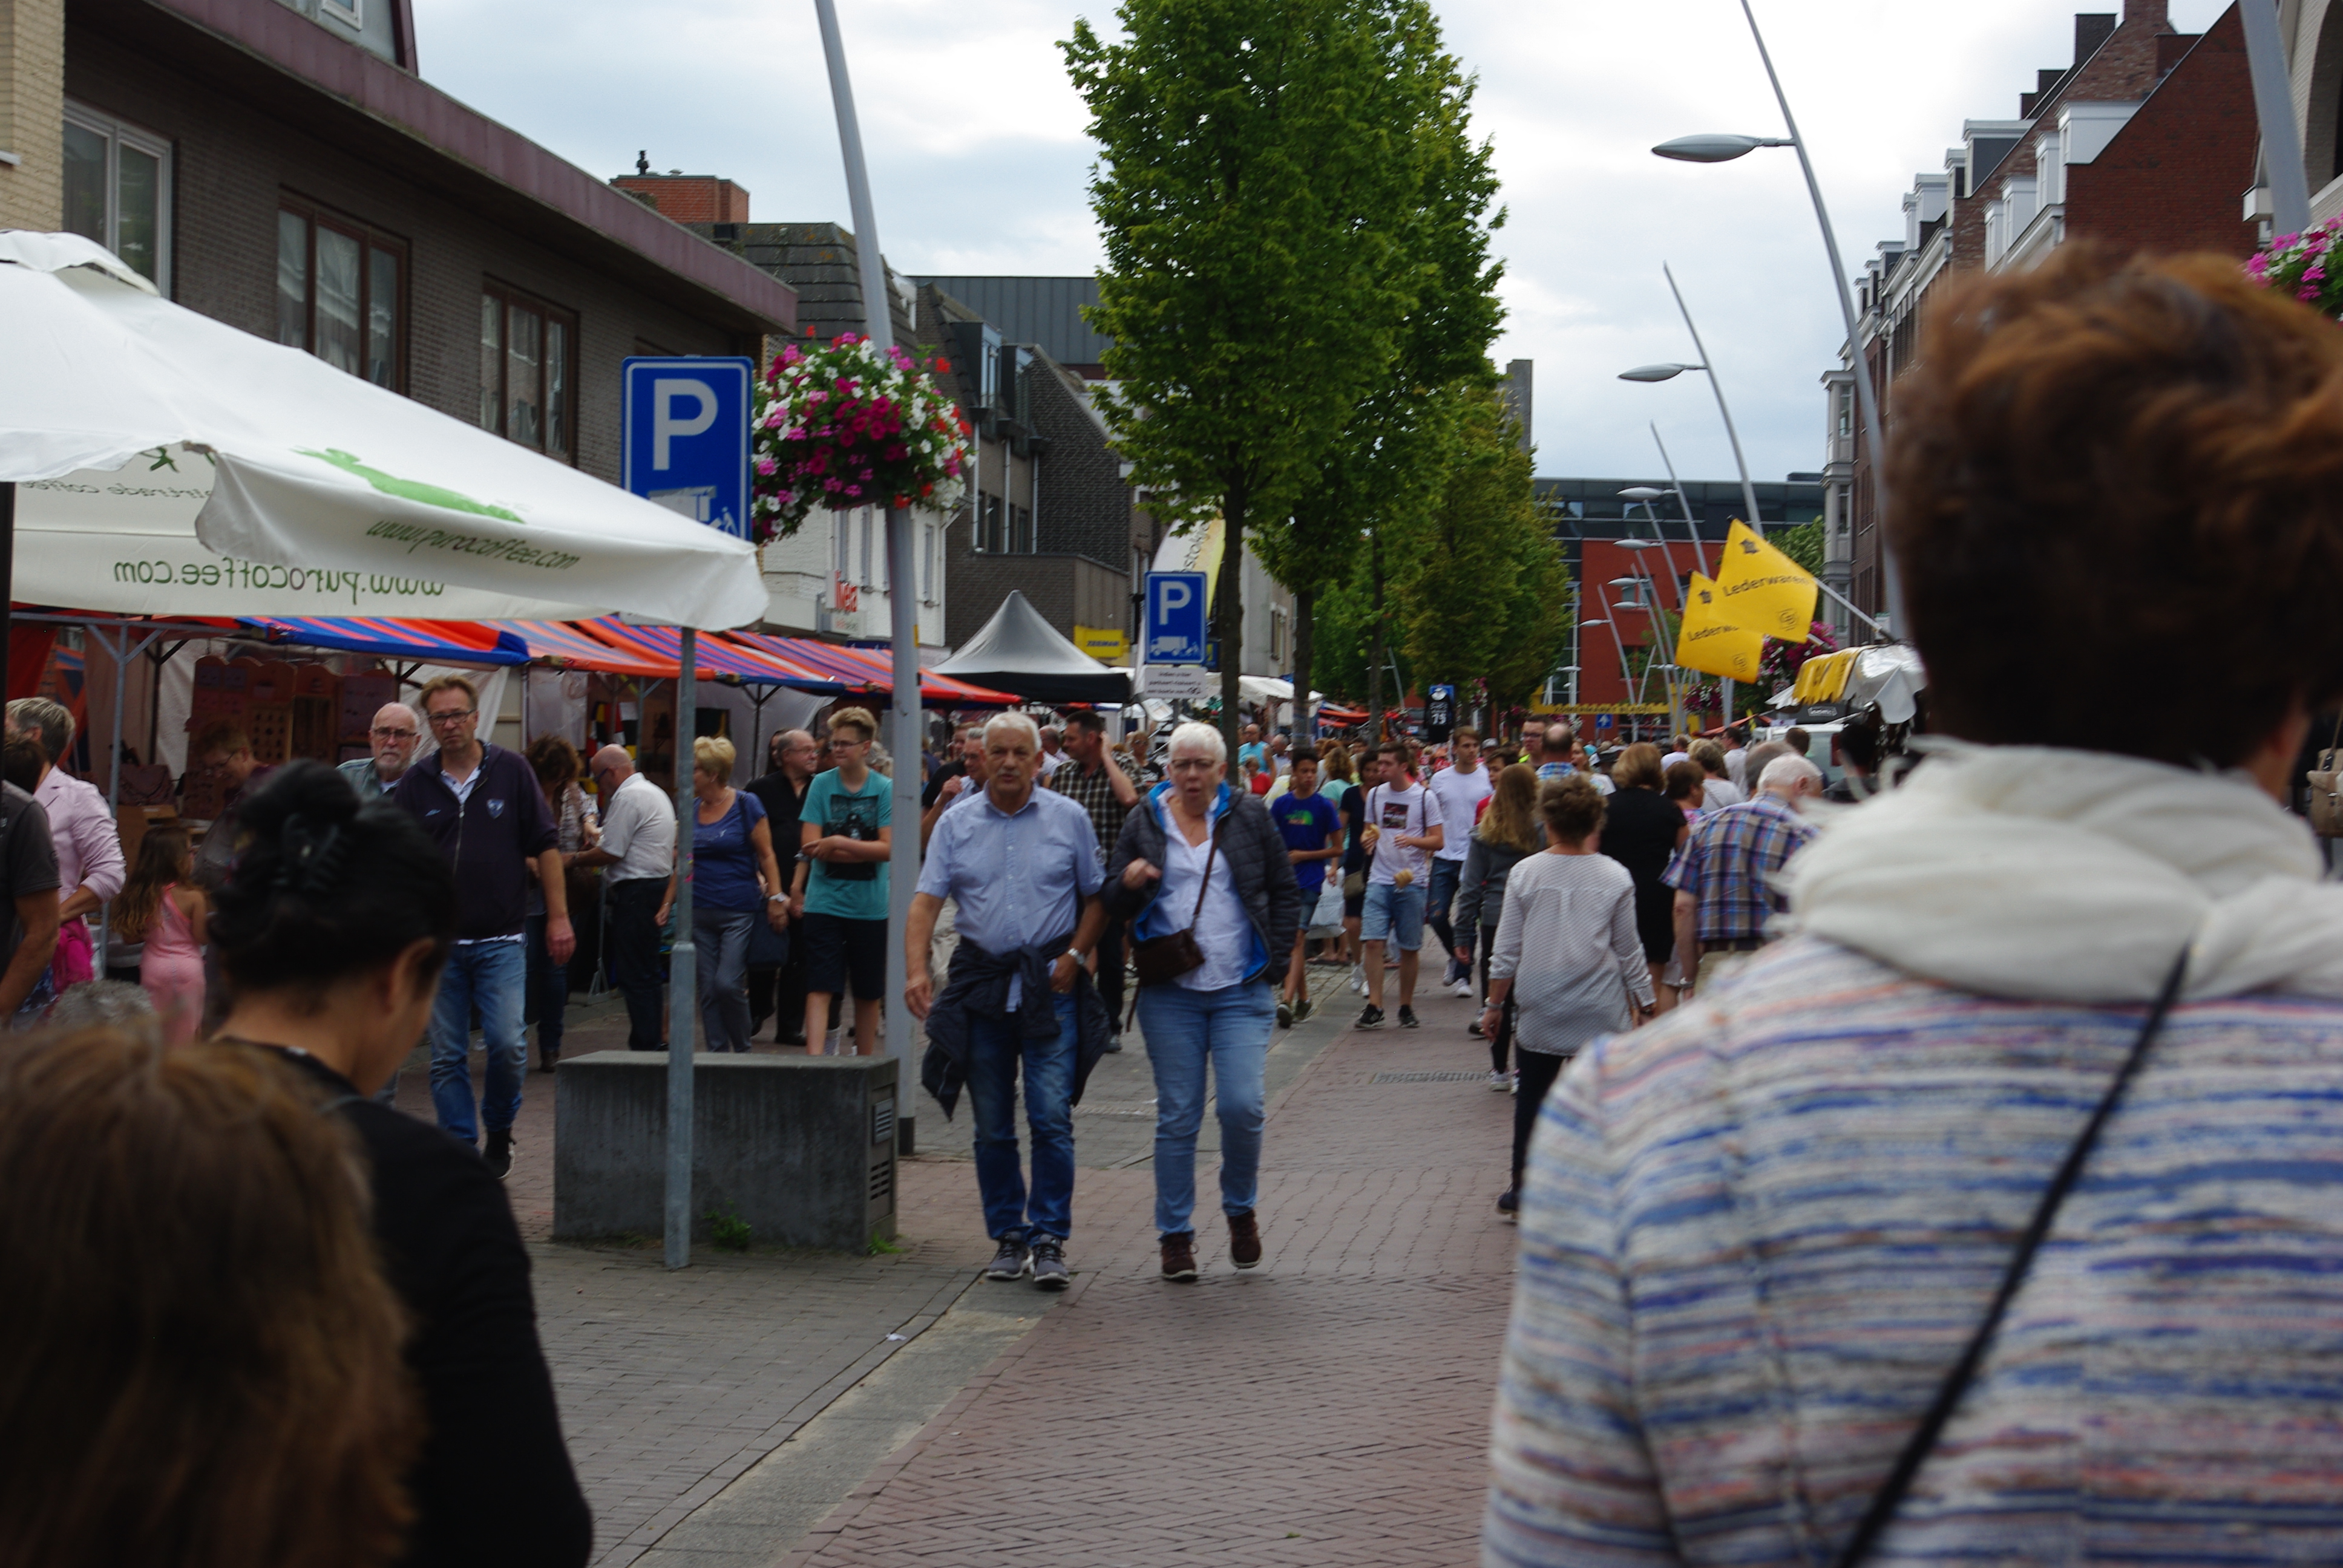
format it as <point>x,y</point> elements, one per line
<point>1330,1406</point>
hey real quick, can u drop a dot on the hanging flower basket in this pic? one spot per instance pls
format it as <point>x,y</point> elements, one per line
<point>839,425</point>
<point>2299,264</point>
<point>1780,662</point>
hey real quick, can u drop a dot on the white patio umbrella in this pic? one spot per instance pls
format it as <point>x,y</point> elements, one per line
<point>314,470</point>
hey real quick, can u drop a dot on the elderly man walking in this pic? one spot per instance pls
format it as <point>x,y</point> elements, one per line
<point>482,805</point>
<point>1091,778</point>
<point>777,971</point>
<point>391,743</point>
<point>1725,876</point>
<point>1022,866</point>
<point>639,845</point>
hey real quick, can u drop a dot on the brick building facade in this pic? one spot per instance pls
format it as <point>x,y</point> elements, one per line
<point>289,162</point>
<point>32,114</point>
<point>2147,142</point>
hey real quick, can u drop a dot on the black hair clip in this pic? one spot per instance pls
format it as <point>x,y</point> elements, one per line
<point>307,857</point>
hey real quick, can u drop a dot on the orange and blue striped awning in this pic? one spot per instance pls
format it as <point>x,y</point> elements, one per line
<point>431,641</point>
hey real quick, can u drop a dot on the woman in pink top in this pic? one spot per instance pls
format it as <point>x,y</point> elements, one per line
<point>161,906</point>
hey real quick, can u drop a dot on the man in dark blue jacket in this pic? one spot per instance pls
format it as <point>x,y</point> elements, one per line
<point>482,805</point>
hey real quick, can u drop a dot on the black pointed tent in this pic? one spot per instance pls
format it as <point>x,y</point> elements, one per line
<point>1021,652</point>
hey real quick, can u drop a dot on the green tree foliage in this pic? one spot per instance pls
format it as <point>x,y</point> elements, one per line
<point>1802,544</point>
<point>1260,191</point>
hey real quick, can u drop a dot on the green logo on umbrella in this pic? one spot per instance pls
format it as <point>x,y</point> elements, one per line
<point>409,490</point>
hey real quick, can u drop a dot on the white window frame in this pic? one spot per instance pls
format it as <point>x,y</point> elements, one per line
<point>350,14</point>
<point>119,134</point>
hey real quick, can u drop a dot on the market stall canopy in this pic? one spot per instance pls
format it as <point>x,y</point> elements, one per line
<point>1019,652</point>
<point>314,471</point>
<point>714,659</point>
<point>431,641</point>
<point>1269,689</point>
<point>872,669</point>
<point>565,647</point>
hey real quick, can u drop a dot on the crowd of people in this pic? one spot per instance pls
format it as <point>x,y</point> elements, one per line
<point>1950,1177</point>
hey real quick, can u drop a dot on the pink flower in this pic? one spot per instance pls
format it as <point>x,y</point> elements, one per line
<point>2307,292</point>
<point>767,467</point>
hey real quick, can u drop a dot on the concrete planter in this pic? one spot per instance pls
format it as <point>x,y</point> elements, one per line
<point>802,1148</point>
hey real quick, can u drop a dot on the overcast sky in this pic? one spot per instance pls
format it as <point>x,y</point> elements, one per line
<point>978,161</point>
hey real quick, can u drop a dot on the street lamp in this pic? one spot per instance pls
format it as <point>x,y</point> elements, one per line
<point>1717,148</point>
<point>1669,372</point>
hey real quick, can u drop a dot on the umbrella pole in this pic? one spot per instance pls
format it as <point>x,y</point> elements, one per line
<point>8,577</point>
<point>682,969</point>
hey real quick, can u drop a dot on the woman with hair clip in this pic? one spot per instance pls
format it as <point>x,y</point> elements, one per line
<point>332,930</point>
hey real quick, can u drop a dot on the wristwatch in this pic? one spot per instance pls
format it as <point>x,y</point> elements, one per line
<point>1075,956</point>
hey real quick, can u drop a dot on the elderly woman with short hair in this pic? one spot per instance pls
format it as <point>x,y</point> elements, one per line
<point>1202,875</point>
<point>1992,1213</point>
<point>735,882</point>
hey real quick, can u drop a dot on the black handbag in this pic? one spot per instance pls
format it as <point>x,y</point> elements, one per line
<point>1160,961</point>
<point>1882,1511</point>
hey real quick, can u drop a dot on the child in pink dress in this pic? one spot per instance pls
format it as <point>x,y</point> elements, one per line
<point>160,906</point>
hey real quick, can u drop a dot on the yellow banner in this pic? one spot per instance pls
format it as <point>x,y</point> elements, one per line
<point>1710,641</point>
<point>1108,647</point>
<point>1761,589</point>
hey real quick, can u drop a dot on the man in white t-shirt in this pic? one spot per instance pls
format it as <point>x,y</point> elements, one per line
<point>1402,832</point>
<point>1459,788</point>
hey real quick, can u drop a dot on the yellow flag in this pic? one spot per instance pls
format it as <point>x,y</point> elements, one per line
<point>1709,641</point>
<point>1762,589</point>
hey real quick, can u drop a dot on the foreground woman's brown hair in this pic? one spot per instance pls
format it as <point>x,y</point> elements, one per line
<point>199,1356</point>
<point>2141,462</point>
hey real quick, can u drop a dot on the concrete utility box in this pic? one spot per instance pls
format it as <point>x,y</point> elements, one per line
<point>802,1148</point>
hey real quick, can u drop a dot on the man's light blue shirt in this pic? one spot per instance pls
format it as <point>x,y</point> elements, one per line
<point>1018,880</point>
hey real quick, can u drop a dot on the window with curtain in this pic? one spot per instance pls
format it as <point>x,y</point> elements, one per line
<point>118,190</point>
<point>528,369</point>
<point>341,292</point>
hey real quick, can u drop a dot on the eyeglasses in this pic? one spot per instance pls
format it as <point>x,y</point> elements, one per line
<point>437,720</point>
<point>380,734</point>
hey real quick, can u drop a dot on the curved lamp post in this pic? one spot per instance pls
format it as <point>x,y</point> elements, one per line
<point>1717,148</point>
<point>1668,372</point>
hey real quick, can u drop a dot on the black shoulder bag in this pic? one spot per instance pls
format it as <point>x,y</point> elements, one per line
<point>1948,1398</point>
<point>1162,959</point>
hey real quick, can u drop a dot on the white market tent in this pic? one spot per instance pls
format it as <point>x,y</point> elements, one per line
<point>296,466</point>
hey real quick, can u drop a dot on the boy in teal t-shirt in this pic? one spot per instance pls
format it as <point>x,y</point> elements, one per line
<point>845,828</point>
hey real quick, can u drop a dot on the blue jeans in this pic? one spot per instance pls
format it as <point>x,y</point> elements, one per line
<point>994,1049</point>
<point>722,938</point>
<point>1230,1028</point>
<point>1445,875</point>
<point>488,977</point>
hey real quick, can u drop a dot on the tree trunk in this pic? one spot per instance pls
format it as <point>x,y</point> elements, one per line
<point>1228,614</point>
<point>1375,647</point>
<point>1305,715</point>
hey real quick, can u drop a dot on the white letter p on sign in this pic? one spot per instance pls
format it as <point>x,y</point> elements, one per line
<point>1175,596</point>
<point>666,427</point>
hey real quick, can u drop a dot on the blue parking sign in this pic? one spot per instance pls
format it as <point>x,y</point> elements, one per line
<point>1175,617</point>
<point>685,436</point>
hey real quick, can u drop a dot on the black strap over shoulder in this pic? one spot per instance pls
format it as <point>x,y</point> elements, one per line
<point>1923,1439</point>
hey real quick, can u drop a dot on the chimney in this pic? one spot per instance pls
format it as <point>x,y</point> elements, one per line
<point>2091,30</point>
<point>2155,16</point>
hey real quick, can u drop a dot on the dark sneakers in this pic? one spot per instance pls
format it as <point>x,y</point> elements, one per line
<point>1373,1017</point>
<point>1406,1017</point>
<point>1509,1205</point>
<point>1180,1256</point>
<point>1284,1014</point>
<point>1010,1262</point>
<point>1050,1271</point>
<point>1301,1009</point>
<point>1244,1240</point>
<point>499,1153</point>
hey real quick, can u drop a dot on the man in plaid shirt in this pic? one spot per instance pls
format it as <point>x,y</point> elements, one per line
<point>1091,776</point>
<point>1725,874</point>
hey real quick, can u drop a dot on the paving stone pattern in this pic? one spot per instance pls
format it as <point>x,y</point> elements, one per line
<point>1329,1406</point>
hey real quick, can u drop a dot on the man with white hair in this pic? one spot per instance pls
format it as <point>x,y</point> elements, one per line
<point>1023,868</point>
<point>1726,876</point>
<point>391,751</point>
<point>1053,750</point>
<point>639,845</point>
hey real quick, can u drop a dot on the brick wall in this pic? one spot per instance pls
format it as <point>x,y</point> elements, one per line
<point>1068,590</point>
<point>1086,507</point>
<point>2172,178</point>
<point>819,261</point>
<point>32,114</point>
<point>689,198</point>
<point>231,163</point>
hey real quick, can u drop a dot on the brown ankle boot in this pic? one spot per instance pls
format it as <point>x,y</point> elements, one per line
<point>1179,1257</point>
<point>1244,1240</point>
